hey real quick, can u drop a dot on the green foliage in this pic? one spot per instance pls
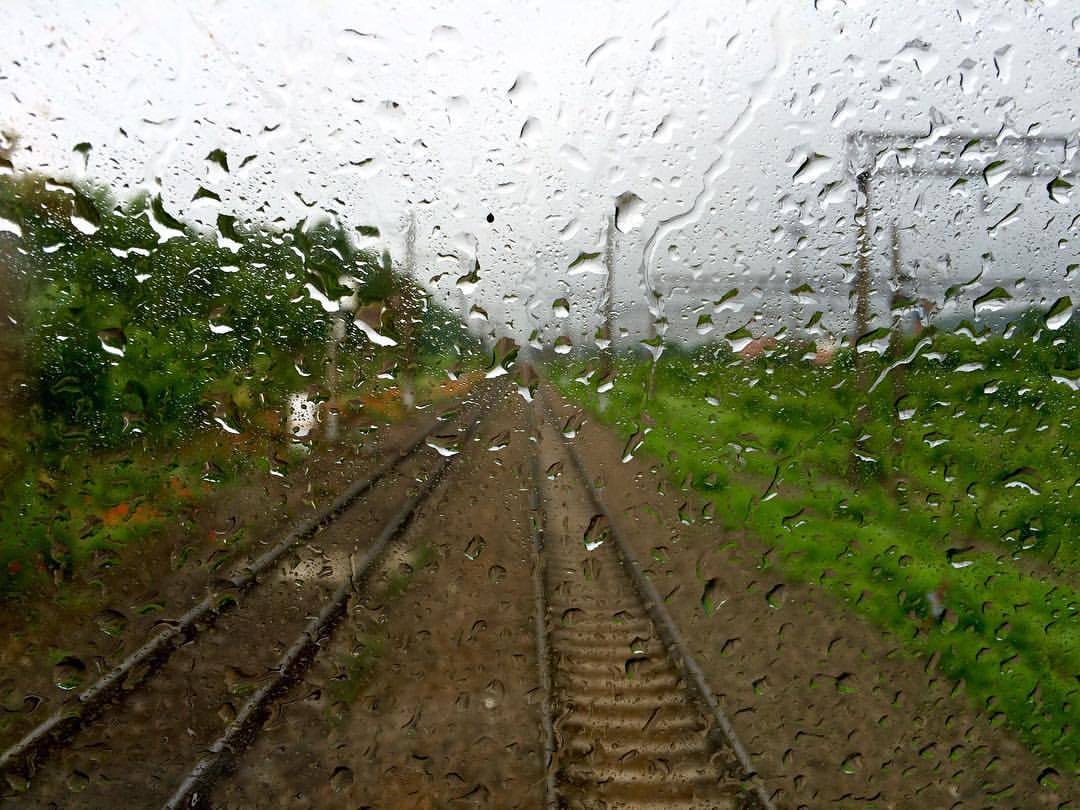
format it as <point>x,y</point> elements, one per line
<point>136,331</point>
<point>125,334</point>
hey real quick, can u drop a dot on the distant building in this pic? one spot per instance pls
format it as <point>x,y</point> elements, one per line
<point>757,347</point>
<point>914,319</point>
<point>824,351</point>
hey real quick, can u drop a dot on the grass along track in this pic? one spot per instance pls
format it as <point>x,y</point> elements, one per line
<point>1008,634</point>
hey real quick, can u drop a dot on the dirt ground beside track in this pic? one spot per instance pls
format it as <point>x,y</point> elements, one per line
<point>833,713</point>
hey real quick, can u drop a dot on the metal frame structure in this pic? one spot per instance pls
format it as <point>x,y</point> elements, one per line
<point>956,155</point>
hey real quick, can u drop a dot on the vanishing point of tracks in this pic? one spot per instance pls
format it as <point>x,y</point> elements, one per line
<point>626,717</point>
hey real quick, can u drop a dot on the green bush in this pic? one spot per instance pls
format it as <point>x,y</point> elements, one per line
<point>135,329</point>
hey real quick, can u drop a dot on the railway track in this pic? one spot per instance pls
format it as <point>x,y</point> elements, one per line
<point>634,723</point>
<point>626,717</point>
<point>180,725</point>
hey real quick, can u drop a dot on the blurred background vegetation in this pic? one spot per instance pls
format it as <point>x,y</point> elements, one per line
<point>128,336</point>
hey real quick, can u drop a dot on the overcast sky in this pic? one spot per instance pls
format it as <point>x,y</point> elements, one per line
<point>726,120</point>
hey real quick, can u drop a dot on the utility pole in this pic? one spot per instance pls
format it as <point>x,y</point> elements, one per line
<point>607,353</point>
<point>331,377</point>
<point>13,294</point>
<point>899,298</point>
<point>407,313</point>
<point>654,341</point>
<point>898,302</point>
<point>337,335</point>
<point>862,274</point>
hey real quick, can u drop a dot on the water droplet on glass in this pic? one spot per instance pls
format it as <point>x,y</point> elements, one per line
<point>596,532</point>
<point>475,546</point>
<point>69,673</point>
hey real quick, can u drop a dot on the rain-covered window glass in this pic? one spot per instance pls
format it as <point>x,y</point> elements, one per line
<point>553,405</point>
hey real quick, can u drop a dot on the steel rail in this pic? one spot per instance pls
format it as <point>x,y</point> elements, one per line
<point>194,790</point>
<point>63,725</point>
<point>543,645</point>
<point>670,636</point>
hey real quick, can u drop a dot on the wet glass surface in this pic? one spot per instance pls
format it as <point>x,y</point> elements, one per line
<point>621,406</point>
